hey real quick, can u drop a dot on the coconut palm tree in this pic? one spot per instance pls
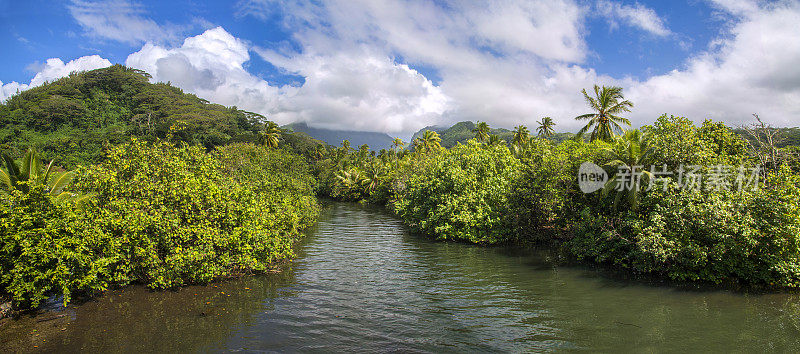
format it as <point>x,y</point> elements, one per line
<point>604,122</point>
<point>371,178</point>
<point>628,152</point>
<point>495,140</point>
<point>32,173</point>
<point>271,135</point>
<point>429,141</point>
<point>482,132</point>
<point>398,144</point>
<point>545,127</point>
<point>521,135</point>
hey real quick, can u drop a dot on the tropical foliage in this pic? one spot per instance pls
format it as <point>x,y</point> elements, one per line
<point>605,121</point>
<point>545,128</point>
<point>162,216</point>
<point>206,192</point>
<point>461,195</point>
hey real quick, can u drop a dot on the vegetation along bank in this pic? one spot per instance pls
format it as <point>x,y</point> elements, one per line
<point>159,187</point>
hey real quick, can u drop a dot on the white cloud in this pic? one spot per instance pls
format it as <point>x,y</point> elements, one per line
<point>752,69</point>
<point>737,7</point>
<point>52,69</point>
<point>638,16</point>
<point>363,92</point>
<point>508,63</point>
<point>211,66</point>
<point>120,20</point>
<point>499,62</point>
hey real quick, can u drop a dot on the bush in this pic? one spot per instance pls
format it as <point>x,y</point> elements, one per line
<point>546,194</point>
<point>161,216</point>
<point>462,194</point>
<point>748,237</point>
<point>48,247</point>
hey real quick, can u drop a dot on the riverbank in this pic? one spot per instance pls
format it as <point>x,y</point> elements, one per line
<point>362,281</point>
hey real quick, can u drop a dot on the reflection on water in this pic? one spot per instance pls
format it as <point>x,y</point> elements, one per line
<point>362,282</point>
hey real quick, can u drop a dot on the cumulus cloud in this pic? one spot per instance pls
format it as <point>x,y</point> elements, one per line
<point>52,69</point>
<point>503,63</point>
<point>507,64</point>
<point>752,69</point>
<point>120,20</point>
<point>211,66</point>
<point>638,16</point>
<point>514,62</point>
<point>363,92</point>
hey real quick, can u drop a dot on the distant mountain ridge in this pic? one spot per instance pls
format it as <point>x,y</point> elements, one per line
<point>376,141</point>
<point>462,131</point>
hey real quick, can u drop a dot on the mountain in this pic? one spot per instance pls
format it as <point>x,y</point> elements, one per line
<point>462,131</point>
<point>72,119</point>
<point>376,141</point>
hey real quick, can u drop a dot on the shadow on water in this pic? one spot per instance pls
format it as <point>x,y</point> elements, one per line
<point>363,282</point>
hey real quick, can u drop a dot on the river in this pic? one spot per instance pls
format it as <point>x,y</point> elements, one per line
<point>363,282</point>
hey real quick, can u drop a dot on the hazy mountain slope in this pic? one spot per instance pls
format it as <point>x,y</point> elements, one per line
<point>376,141</point>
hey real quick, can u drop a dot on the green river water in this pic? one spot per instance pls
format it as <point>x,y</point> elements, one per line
<point>363,283</point>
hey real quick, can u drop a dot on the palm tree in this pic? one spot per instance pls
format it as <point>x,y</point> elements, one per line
<point>608,103</point>
<point>521,135</point>
<point>398,144</point>
<point>495,140</point>
<point>271,135</point>
<point>429,141</point>
<point>481,132</point>
<point>371,178</point>
<point>32,173</point>
<point>348,183</point>
<point>628,152</point>
<point>545,127</point>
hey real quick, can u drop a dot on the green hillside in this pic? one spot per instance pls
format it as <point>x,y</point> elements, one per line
<point>75,117</point>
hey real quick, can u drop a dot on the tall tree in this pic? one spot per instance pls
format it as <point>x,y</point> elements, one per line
<point>496,140</point>
<point>607,103</point>
<point>271,135</point>
<point>629,153</point>
<point>429,141</point>
<point>482,132</point>
<point>398,144</point>
<point>545,127</point>
<point>521,135</point>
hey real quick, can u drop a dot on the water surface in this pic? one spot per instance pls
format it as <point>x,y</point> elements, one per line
<point>362,282</point>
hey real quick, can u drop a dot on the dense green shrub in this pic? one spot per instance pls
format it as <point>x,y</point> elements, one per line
<point>676,141</point>
<point>48,247</point>
<point>182,216</point>
<point>546,194</point>
<point>750,237</point>
<point>162,216</point>
<point>462,195</point>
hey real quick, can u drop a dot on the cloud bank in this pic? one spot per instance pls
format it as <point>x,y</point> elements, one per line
<point>509,63</point>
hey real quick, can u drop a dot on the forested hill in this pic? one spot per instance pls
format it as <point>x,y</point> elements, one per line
<point>73,118</point>
<point>462,131</point>
<point>375,141</point>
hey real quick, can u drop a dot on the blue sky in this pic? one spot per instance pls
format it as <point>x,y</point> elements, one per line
<point>398,65</point>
